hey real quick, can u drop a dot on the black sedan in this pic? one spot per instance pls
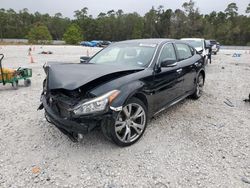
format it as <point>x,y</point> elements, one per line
<point>121,87</point>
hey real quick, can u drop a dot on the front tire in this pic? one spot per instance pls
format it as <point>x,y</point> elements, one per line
<point>15,84</point>
<point>198,87</point>
<point>130,123</point>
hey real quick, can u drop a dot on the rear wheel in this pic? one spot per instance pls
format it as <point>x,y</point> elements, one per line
<point>198,87</point>
<point>27,82</point>
<point>130,123</point>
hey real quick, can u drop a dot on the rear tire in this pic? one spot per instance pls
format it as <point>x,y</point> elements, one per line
<point>130,124</point>
<point>27,82</point>
<point>198,87</point>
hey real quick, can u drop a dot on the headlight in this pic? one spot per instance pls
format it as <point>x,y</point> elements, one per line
<point>97,104</point>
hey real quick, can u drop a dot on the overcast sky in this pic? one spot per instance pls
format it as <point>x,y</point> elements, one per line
<point>67,7</point>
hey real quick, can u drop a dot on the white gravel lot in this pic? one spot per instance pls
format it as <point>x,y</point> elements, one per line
<point>203,143</point>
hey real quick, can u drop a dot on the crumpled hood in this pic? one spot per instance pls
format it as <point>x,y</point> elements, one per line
<point>72,76</point>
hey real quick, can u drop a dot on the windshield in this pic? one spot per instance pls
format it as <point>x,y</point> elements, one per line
<point>133,54</point>
<point>194,43</point>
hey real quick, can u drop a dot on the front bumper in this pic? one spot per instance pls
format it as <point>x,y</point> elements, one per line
<point>82,124</point>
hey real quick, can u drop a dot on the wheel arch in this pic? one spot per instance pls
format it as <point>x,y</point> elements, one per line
<point>133,89</point>
<point>141,97</point>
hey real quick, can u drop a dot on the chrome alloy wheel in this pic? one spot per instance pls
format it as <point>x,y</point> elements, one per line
<point>130,123</point>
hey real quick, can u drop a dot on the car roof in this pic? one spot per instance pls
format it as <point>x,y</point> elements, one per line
<point>149,41</point>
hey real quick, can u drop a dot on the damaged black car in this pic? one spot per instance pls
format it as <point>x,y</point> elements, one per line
<point>121,88</point>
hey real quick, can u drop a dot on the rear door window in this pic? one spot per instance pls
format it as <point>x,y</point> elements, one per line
<point>167,52</point>
<point>184,51</point>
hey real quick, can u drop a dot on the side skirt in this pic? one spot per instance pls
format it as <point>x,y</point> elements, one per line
<point>173,103</point>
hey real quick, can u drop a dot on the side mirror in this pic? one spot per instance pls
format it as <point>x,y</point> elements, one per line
<point>84,59</point>
<point>168,63</point>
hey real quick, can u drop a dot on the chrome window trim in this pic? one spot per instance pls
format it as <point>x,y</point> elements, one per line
<point>156,50</point>
<point>157,62</point>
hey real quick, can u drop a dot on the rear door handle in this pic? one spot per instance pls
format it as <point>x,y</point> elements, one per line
<point>179,70</point>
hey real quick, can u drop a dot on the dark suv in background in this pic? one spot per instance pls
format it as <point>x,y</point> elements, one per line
<point>215,46</point>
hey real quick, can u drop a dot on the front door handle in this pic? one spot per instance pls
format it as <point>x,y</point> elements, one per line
<point>179,70</point>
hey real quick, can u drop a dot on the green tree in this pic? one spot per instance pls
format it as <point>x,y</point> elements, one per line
<point>73,34</point>
<point>164,24</point>
<point>228,27</point>
<point>58,25</point>
<point>194,24</point>
<point>39,34</point>
<point>3,23</point>
<point>189,7</point>
<point>248,9</point>
<point>137,29</point>
<point>179,25</point>
<point>151,20</point>
<point>231,10</point>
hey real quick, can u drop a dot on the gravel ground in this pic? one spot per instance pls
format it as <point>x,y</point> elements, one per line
<point>203,143</point>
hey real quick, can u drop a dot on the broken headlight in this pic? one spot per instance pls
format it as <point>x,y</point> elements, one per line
<point>97,104</point>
